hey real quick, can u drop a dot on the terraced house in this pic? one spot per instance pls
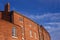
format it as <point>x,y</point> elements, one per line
<point>14,26</point>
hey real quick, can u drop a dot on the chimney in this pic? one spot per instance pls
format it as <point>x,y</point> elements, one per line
<point>7,15</point>
<point>7,7</point>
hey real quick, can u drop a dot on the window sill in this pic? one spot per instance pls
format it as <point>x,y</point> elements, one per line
<point>14,37</point>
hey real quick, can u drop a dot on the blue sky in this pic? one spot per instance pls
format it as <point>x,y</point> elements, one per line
<point>44,12</point>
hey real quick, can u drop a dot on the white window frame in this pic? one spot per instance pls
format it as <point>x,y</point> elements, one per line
<point>21,20</point>
<point>30,25</point>
<point>23,38</point>
<point>35,35</point>
<point>14,31</point>
<point>31,33</point>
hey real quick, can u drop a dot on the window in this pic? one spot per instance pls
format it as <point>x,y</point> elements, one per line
<point>30,33</point>
<point>30,25</point>
<point>21,19</point>
<point>14,31</point>
<point>21,26</point>
<point>39,30</point>
<point>22,38</point>
<point>35,36</point>
<point>23,33</point>
<point>22,29</point>
<point>41,37</point>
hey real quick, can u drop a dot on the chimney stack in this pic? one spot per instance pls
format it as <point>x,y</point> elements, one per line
<point>7,7</point>
<point>7,15</point>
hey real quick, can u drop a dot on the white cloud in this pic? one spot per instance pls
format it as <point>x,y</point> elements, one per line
<point>51,26</point>
<point>54,23</point>
<point>47,27</point>
<point>51,16</point>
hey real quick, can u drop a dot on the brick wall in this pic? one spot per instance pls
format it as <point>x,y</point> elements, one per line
<point>27,25</point>
<point>6,31</point>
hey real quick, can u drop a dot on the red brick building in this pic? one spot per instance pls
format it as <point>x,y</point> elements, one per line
<point>14,26</point>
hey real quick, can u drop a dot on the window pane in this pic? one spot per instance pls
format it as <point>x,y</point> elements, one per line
<point>13,31</point>
<point>22,38</point>
<point>35,35</point>
<point>30,25</point>
<point>30,33</point>
<point>21,19</point>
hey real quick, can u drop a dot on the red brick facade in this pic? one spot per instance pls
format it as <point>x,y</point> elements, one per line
<point>24,28</point>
